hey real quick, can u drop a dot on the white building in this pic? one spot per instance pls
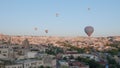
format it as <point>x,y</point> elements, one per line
<point>63,64</point>
<point>26,64</point>
<point>31,54</point>
<point>49,61</point>
<point>6,53</point>
<point>14,66</point>
<point>33,63</point>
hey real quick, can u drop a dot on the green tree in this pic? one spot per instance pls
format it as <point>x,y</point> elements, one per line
<point>48,67</point>
<point>64,58</point>
<point>71,57</point>
<point>41,66</point>
<point>91,63</point>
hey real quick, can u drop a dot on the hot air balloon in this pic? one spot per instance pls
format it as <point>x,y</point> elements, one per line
<point>88,9</point>
<point>46,31</point>
<point>35,28</point>
<point>89,30</point>
<point>57,14</point>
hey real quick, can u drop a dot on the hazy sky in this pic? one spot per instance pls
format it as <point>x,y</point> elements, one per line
<point>20,17</point>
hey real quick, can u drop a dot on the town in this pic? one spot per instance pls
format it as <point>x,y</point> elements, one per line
<point>59,34</point>
<point>59,52</point>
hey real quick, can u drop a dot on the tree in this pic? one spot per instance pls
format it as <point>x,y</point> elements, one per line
<point>112,63</point>
<point>64,58</point>
<point>91,63</point>
<point>48,67</point>
<point>41,66</point>
<point>71,57</point>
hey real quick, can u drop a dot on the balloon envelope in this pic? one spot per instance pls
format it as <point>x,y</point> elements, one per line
<point>57,14</point>
<point>89,30</point>
<point>35,28</point>
<point>46,31</point>
<point>88,9</point>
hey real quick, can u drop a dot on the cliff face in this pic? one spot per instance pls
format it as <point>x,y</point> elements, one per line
<point>53,39</point>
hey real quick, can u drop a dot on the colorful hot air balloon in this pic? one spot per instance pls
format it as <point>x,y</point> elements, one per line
<point>46,31</point>
<point>35,28</point>
<point>89,30</point>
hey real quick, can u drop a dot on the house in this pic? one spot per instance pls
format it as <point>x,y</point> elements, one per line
<point>26,63</point>
<point>49,61</point>
<point>14,66</point>
<point>63,64</point>
<point>76,64</point>
<point>2,64</point>
<point>6,53</point>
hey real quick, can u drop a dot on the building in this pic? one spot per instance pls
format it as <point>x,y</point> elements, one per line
<point>14,66</point>
<point>63,64</point>
<point>30,63</point>
<point>49,61</point>
<point>76,64</point>
<point>2,64</point>
<point>6,53</point>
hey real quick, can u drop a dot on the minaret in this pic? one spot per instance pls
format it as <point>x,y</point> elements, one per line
<point>25,43</point>
<point>9,41</point>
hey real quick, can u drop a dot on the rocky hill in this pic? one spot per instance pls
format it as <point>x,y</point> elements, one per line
<point>7,39</point>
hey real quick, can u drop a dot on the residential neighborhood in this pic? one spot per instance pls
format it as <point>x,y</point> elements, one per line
<point>57,52</point>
